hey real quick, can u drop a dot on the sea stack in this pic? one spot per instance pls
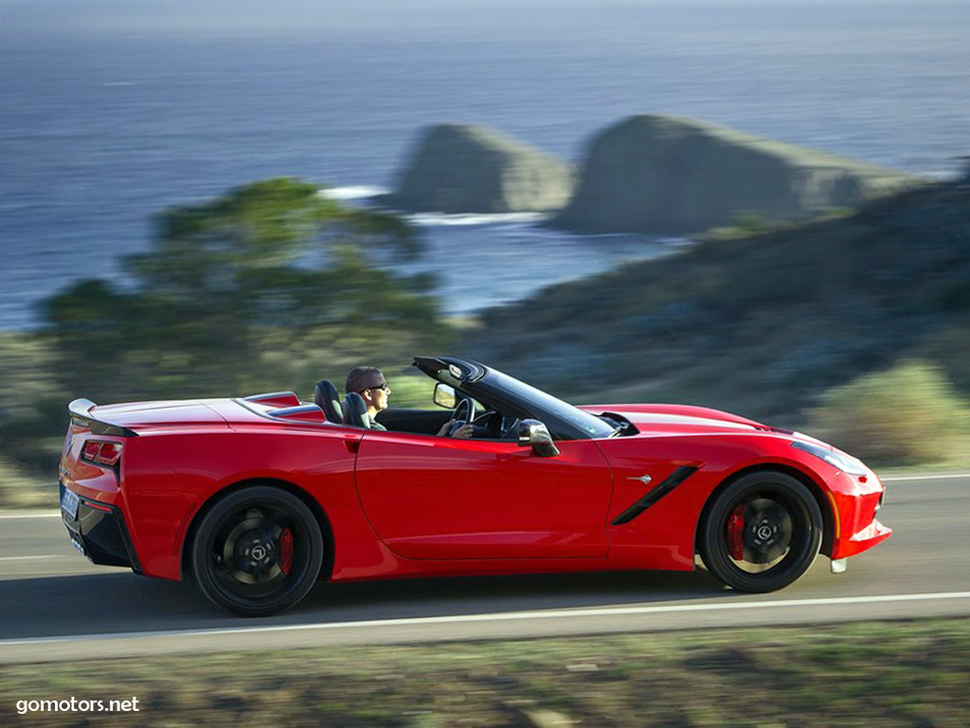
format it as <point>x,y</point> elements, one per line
<point>458,168</point>
<point>670,175</point>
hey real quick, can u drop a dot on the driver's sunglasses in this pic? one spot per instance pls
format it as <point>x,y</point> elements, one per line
<point>383,386</point>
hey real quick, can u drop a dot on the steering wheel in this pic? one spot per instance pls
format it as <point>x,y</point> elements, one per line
<point>489,424</point>
<point>464,411</point>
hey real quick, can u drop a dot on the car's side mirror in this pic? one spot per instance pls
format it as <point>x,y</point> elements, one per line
<point>534,434</point>
<point>444,396</point>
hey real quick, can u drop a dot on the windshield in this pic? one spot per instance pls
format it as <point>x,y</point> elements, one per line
<point>543,405</point>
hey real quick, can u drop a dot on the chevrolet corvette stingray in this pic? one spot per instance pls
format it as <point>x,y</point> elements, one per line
<point>257,498</point>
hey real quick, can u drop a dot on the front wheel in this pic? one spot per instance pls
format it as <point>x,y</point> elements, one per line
<point>257,551</point>
<point>762,532</point>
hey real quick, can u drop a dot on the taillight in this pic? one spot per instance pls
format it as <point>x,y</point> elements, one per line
<point>101,452</point>
<point>90,450</point>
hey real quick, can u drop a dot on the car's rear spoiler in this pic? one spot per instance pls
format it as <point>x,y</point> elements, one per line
<point>80,410</point>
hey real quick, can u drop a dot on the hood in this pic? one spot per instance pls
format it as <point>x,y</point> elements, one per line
<point>670,419</point>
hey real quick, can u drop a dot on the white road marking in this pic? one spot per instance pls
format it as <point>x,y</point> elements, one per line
<point>54,514</point>
<point>21,558</point>
<point>499,617</point>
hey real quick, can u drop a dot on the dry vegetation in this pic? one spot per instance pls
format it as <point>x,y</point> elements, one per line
<point>763,324</point>
<point>910,414</point>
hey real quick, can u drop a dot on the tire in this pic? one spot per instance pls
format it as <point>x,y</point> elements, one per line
<point>257,551</point>
<point>762,532</point>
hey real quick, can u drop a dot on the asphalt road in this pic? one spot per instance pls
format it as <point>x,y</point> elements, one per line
<point>56,606</point>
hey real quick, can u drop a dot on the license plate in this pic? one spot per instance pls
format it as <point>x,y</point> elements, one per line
<point>69,503</point>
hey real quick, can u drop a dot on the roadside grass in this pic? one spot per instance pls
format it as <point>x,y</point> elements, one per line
<point>894,674</point>
<point>21,490</point>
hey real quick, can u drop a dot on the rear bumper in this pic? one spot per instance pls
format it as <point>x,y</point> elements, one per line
<point>98,531</point>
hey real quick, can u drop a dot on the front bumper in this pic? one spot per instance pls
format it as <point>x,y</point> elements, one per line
<point>98,531</point>
<point>855,502</point>
<point>864,540</point>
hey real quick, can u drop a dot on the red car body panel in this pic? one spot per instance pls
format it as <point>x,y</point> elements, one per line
<point>725,445</point>
<point>401,504</point>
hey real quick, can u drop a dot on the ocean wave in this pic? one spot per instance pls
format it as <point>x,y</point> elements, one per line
<point>359,192</point>
<point>440,219</point>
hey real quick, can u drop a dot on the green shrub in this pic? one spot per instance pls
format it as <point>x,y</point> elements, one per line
<point>270,261</point>
<point>751,222</point>
<point>908,415</point>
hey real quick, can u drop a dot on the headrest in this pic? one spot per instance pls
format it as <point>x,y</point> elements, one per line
<point>355,411</point>
<point>327,398</point>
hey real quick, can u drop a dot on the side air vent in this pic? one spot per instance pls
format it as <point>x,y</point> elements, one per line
<point>669,483</point>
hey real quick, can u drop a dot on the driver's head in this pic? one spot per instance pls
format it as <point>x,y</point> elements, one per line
<point>369,383</point>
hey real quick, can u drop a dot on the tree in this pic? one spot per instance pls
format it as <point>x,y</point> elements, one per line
<point>228,283</point>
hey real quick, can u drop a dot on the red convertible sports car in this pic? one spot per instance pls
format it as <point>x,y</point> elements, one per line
<point>259,497</point>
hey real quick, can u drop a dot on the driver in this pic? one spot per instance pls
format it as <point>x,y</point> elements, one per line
<point>371,384</point>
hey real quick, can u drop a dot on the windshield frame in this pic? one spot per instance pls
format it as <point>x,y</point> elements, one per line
<point>510,396</point>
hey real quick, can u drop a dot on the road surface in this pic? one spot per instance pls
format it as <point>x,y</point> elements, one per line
<point>57,606</point>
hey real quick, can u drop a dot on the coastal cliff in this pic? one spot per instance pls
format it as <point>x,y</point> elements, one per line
<point>458,168</point>
<point>670,175</point>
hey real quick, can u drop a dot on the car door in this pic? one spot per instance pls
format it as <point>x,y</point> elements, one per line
<point>444,498</point>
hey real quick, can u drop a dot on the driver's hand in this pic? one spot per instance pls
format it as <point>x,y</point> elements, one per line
<point>443,432</point>
<point>464,432</point>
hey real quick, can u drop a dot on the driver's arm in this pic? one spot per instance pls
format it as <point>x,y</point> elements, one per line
<point>464,432</point>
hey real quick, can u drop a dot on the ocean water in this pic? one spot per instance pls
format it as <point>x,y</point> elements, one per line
<point>108,115</point>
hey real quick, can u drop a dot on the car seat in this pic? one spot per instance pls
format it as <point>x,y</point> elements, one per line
<point>355,411</point>
<point>327,398</point>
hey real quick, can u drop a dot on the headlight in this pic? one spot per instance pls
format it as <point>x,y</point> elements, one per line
<point>835,458</point>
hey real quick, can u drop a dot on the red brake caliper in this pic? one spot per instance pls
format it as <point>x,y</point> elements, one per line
<point>735,533</point>
<point>286,551</point>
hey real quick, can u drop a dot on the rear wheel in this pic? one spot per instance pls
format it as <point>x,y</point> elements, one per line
<point>258,551</point>
<point>762,532</point>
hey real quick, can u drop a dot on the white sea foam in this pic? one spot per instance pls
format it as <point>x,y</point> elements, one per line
<point>359,192</point>
<point>438,219</point>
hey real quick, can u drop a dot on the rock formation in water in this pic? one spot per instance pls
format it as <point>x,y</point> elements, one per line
<point>672,176</point>
<point>458,168</point>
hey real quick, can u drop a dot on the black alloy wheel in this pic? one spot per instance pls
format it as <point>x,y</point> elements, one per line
<point>762,532</point>
<point>257,551</point>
